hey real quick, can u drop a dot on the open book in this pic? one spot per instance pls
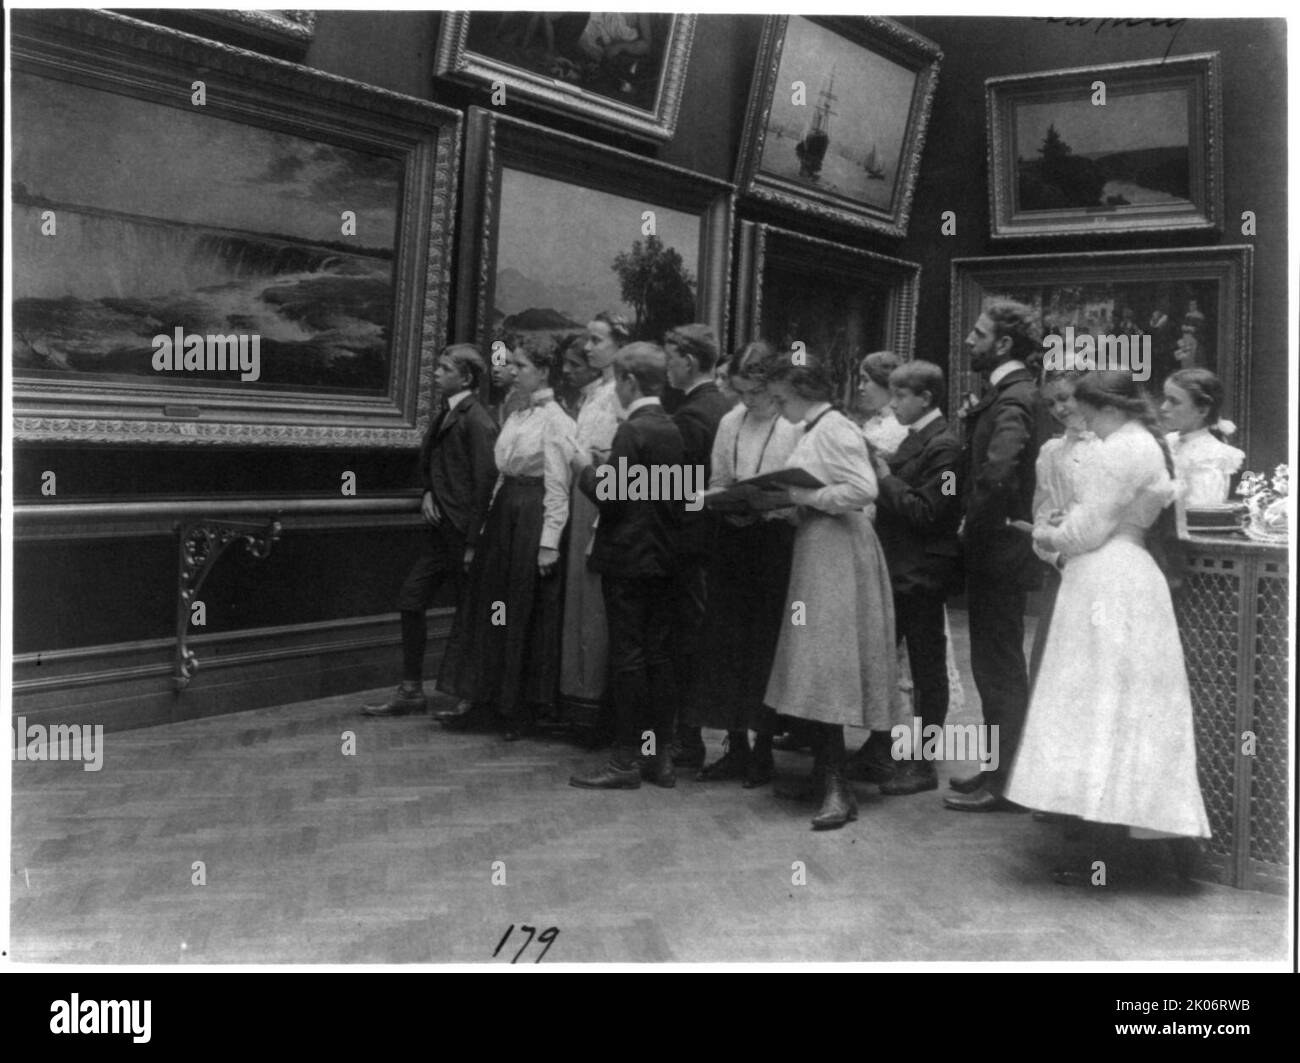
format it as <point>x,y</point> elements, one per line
<point>756,494</point>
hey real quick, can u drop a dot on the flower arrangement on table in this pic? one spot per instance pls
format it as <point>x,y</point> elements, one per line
<point>1268,505</point>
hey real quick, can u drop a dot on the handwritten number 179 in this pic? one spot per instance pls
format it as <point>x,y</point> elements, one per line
<point>546,937</point>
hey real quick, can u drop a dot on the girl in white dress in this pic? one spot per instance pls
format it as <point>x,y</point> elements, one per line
<point>836,663</point>
<point>1203,463</point>
<point>1109,734</point>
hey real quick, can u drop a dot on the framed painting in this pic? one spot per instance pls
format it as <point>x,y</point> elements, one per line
<point>621,70</point>
<point>837,118</point>
<point>213,247</point>
<point>282,34</point>
<point>840,302</point>
<point>1129,147</point>
<point>557,229</point>
<point>1177,309</point>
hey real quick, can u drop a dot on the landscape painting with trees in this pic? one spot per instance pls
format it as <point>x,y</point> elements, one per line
<point>565,253</point>
<point>1121,148</point>
<point>1134,150</point>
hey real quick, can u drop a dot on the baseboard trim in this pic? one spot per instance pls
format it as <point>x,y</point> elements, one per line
<point>129,684</point>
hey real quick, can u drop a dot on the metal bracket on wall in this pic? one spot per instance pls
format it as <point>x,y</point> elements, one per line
<point>201,545</point>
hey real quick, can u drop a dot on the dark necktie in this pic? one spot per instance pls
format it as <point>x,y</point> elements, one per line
<point>440,417</point>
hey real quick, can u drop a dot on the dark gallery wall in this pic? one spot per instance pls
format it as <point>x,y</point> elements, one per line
<point>954,173</point>
<point>76,592</point>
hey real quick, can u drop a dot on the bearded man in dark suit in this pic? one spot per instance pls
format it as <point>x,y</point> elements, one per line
<point>1002,434</point>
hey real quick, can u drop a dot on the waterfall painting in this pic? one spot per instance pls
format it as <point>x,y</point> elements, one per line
<point>260,251</point>
<point>140,217</point>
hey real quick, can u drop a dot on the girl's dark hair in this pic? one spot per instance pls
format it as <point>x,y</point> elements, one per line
<point>1206,392</point>
<point>754,361</point>
<point>811,380</point>
<point>543,353</point>
<point>1118,390</point>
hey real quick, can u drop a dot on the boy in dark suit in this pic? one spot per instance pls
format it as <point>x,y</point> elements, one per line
<point>458,472</point>
<point>1001,438</point>
<point>635,550</point>
<point>917,513</point>
<point>692,352</point>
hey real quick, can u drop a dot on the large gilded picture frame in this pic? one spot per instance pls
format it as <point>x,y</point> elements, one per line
<point>622,71</point>
<point>1192,305</point>
<point>837,118</point>
<point>841,302</point>
<point>1122,148</point>
<point>557,228</point>
<point>169,192</point>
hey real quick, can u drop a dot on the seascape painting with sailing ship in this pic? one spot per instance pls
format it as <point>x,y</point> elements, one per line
<point>840,126</point>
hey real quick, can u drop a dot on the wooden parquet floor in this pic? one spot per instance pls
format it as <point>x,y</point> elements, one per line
<point>387,856</point>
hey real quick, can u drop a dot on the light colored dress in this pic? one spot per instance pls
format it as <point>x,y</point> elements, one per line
<point>839,666</point>
<point>584,646</point>
<point>1203,466</point>
<point>1109,733</point>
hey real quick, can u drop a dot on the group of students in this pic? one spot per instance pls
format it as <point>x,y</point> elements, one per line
<point>788,618</point>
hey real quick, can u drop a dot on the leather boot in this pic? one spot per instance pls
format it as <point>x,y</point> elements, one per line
<point>838,802</point>
<point>732,764</point>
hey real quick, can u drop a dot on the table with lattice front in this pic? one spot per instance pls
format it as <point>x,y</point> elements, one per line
<point>1233,617</point>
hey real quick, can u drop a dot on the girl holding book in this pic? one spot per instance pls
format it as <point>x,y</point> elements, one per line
<point>836,663</point>
<point>747,577</point>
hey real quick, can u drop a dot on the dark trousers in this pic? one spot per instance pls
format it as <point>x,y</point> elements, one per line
<point>441,560</point>
<point>640,617</point>
<point>918,619</point>
<point>689,598</point>
<point>1051,587</point>
<point>997,659</point>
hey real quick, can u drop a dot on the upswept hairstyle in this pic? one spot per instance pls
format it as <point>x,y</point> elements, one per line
<point>542,352</point>
<point>619,329</point>
<point>877,366</point>
<point>754,361</point>
<point>1206,392</point>
<point>811,381</point>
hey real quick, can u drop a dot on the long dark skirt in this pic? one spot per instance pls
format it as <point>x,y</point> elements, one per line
<point>747,582</point>
<point>514,663</point>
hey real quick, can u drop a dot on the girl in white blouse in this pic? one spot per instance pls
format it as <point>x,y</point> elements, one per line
<point>513,664</point>
<point>747,577</point>
<point>1203,463</point>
